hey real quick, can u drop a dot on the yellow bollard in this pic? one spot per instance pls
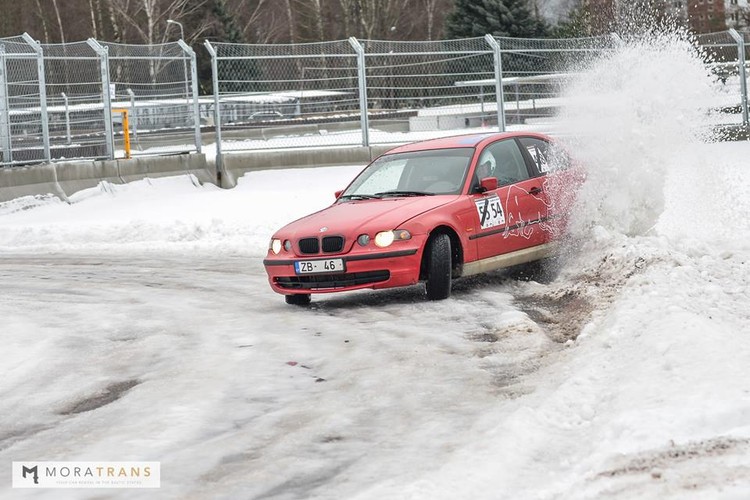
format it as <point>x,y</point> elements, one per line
<point>125,129</point>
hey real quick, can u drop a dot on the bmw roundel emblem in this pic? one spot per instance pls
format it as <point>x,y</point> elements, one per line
<point>323,229</point>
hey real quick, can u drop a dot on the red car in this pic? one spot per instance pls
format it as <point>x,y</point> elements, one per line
<point>430,211</point>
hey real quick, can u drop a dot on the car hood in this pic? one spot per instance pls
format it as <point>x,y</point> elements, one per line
<point>363,216</point>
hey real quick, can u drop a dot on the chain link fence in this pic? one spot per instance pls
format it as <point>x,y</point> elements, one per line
<point>422,87</point>
<point>302,95</point>
<point>22,112</point>
<point>413,90</point>
<point>69,101</point>
<point>307,95</point>
<point>78,119</point>
<point>154,83</point>
<point>535,72</point>
<point>725,54</point>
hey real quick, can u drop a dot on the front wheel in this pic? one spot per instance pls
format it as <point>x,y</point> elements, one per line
<point>298,299</point>
<point>438,283</point>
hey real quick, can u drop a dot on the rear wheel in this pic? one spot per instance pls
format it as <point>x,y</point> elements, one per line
<point>298,299</point>
<point>438,283</point>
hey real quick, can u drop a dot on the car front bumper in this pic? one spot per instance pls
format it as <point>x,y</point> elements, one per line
<point>396,266</point>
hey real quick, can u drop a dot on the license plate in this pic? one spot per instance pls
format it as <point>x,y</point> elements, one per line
<point>319,266</point>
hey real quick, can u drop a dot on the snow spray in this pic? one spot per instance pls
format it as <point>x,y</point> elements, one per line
<point>625,115</point>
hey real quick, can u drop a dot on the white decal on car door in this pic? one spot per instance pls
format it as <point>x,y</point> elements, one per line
<point>490,211</point>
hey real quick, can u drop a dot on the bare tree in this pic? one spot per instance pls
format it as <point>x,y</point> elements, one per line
<point>93,10</point>
<point>346,11</point>
<point>44,21</point>
<point>318,13</point>
<point>290,18</point>
<point>378,18</point>
<point>430,7</point>
<point>148,17</point>
<point>59,21</point>
<point>119,35</point>
<point>258,20</point>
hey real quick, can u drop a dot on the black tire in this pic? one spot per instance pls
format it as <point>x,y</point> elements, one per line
<point>438,283</point>
<point>298,299</point>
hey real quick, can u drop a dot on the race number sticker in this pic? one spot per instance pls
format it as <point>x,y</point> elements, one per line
<point>490,211</point>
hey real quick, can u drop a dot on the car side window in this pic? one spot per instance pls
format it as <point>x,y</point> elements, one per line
<point>538,152</point>
<point>510,167</point>
<point>546,157</point>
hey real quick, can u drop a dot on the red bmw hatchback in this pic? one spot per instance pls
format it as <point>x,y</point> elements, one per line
<point>431,211</point>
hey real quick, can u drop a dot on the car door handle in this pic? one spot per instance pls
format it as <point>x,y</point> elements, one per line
<point>535,190</point>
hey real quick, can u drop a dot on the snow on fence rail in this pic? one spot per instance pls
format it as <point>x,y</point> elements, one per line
<point>56,100</point>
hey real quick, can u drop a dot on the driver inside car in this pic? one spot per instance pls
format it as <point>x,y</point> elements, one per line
<point>486,166</point>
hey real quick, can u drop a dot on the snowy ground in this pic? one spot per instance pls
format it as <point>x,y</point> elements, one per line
<point>138,325</point>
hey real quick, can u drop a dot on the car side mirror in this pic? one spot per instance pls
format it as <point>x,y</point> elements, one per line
<point>487,184</point>
<point>337,194</point>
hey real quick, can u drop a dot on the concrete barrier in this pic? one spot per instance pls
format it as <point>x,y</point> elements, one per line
<point>237,164</point>
<point>28,181</point>
<point>65,178</point>
<point>78,175</point>
<point>164,166</point>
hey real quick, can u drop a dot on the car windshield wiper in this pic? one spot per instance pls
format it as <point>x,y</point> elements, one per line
<point>403,193</point>
<point>358,197</point>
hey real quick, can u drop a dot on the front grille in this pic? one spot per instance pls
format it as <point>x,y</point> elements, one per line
<point>309,246</point>
<point>331,281</point>
<point>333,244</point>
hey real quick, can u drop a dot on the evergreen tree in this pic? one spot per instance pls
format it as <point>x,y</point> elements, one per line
<point>579,23</point>
<point>240,75</point>
<point>474,18</point>
<point>228,30</point>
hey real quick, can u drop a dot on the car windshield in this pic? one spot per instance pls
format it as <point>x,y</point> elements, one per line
<point>417,173</point>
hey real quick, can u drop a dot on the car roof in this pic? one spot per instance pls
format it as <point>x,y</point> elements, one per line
<point>460,141</point>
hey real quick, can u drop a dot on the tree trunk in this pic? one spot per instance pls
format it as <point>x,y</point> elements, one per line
<point>113,19</point>
<point>59,21</point>
<point>346,8</point>
<point>94,30</point>
<point>290,17</point>
<point>44,21</point>
<point>318,21</point>
<point>99,18</point>
<point>429,7</point>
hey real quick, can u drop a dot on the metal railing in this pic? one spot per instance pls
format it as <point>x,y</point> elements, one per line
<point>364,92</point>
<point>56,100</point>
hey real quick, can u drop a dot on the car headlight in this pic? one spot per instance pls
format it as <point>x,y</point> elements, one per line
<point>275,245</point>
<point>385,238</point>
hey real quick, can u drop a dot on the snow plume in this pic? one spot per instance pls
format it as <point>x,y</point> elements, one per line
<point>627,114</point>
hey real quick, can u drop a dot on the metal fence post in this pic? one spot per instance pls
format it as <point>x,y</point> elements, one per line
<point>106,96</point>
<point>133,113</point>
<point>743,73</point>
<point>217,109</point>
<point>362,77</point>
<point>69,140</point>
<point>5,139</point>
<point>42,92</point>
<point>193,91</point>
<point>499,95</point>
